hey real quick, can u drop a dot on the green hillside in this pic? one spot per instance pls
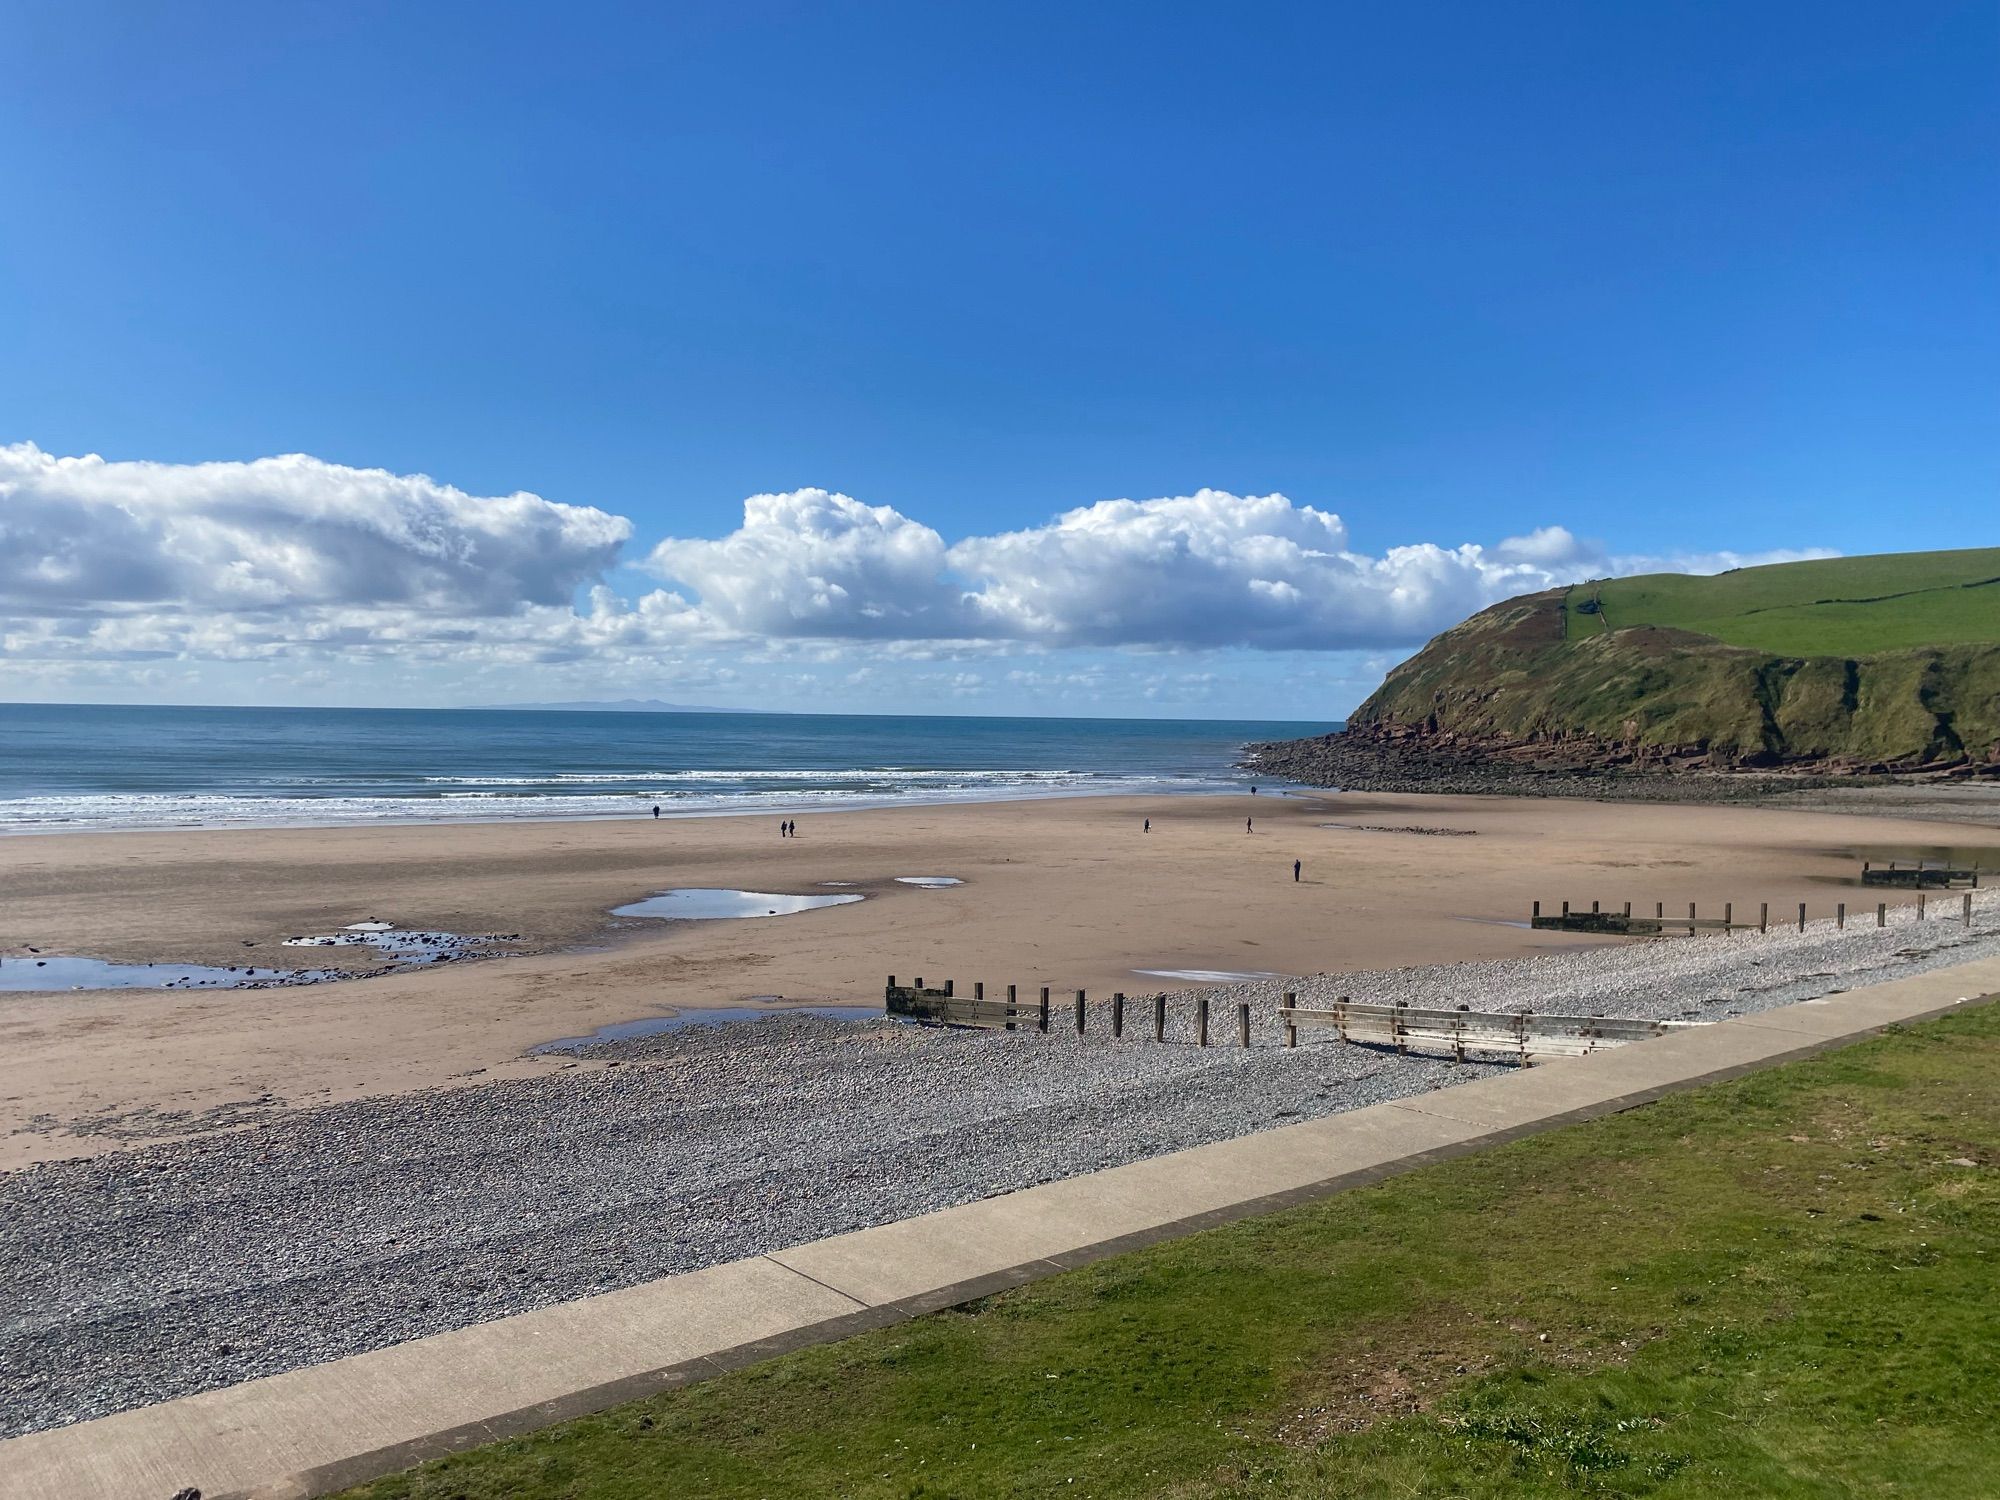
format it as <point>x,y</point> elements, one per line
<point>1849,665</point>
<point>1843,606</point>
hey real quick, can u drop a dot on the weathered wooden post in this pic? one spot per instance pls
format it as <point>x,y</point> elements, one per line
<point>1628,911</point>
<point>1291,1021</point>
<point>1763,916</point>
<point>919,982</point>
<point>1690,919</point>
<point>1802,916</point>
<point>1159,1018</point>
<point>1042,1016</point>
<point>978,990</point>
<point>1010,1007</point>
<point>1243,1023</point>
<point>1117,1014</point>
<point>1840,916</point>
<point>1881,914</point>
<point>1593,908</point>
<point>1966,915</point>
<point>1565,908</point>
<point>1201,1020</point>
<point>1728,915</point>
<point>1659,911</point>
<point>1079,1012</point>
<point>947,987</point>
<point>1396,1026</point>
<point>1921,899</point>
<point>1538,911</point>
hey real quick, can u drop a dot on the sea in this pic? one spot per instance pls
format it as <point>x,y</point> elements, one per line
<point>70,768</point>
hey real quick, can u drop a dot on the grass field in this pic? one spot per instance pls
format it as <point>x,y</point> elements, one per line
<point>1846,606</point>
<point>1782,1286</point>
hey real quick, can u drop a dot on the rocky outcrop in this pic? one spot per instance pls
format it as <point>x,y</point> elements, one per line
<point>1505,697</point>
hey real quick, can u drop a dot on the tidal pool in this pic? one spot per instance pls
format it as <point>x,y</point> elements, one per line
<point>619,1031</point>
<point>43,971</point>
<point>702,905</point>
<point>929,882</point>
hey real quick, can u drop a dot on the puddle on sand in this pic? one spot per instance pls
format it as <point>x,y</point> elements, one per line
<point>929,882</point>
<point>1209,976</point>
<point>619,1031</point>
<point>41,971</point>
<point>694,904</point>
<point>55,972</point>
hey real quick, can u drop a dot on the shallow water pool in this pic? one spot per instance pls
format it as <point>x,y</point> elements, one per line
<point>703,905</point>
<point>45,971</point>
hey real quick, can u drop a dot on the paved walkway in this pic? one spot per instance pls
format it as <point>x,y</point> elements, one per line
<point>313,1430</point>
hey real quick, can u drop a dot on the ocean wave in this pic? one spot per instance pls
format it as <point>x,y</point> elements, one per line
<point>79,812</point>
<point>664,778</point>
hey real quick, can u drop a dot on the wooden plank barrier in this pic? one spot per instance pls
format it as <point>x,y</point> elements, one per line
<point>916,1003</point>
<point>1920,876</point>
<point>1462,1030</point>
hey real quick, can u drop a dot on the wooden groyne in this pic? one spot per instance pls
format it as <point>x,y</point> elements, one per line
<point>1522,1035</point>
<point>1624,923</point>
<point>1922,876</point>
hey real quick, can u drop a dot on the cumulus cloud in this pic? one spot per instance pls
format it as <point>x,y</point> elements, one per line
<point>291,533</point>
<point>1211,569</point>
<point>297,560</point>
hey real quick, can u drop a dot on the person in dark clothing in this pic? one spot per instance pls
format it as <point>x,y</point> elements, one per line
<point>1249,825</point>
<point>1296,867</point>
<point>656,809</point>
<point>1149,825</point>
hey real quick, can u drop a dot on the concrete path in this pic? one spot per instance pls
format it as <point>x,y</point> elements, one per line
<point>314,1430</point>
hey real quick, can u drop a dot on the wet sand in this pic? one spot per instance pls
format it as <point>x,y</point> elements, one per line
<point>1068,893</point>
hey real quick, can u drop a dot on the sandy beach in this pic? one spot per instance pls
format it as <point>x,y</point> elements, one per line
<point>1069,893</point>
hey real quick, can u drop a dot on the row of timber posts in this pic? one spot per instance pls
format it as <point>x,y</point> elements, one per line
<point>1728,922</point>
<point>1117,1012</point>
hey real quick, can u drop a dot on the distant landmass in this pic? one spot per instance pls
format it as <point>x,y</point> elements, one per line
<point>610,706</point>
<point>1842,667</point>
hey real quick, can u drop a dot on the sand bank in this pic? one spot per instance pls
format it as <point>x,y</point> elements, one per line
<point>1066,893</point>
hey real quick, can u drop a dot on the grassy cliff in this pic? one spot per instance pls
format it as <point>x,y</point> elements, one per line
<point>1853,664</point>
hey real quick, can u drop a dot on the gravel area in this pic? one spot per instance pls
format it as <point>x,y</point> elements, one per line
<point>155,1273</point>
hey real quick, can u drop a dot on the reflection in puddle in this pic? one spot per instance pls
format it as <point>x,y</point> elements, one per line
<point>1208,976</point>
<point>619,1031</point>
<point>690,905</point>
<point>929,882</point>
<point>54,972</point>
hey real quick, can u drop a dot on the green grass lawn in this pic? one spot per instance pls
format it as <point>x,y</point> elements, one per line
<point>1782,1286</point>
<point>1847,606</point>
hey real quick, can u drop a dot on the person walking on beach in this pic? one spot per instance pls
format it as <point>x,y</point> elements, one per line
<point>656,810</point>
<point>1149,825</point>
<point>1296,866</point>
<point>1249,825</point>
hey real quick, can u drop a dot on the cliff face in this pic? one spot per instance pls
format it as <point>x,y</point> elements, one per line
<point>1506,685</point>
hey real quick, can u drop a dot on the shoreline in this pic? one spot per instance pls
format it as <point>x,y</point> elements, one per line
<point>1067,892</point>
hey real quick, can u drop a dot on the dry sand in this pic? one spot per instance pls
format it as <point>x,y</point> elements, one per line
<point>1068,893</point>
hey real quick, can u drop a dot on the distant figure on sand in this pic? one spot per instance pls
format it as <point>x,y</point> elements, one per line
<point>1295,872</point>
<point>1149,825</point>
<point>656,809</point>
<point>1249,825</point>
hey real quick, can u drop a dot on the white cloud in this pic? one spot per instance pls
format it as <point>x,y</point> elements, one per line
<point>283,533</point>
<point>290,565</point>
<point>1196,571</point>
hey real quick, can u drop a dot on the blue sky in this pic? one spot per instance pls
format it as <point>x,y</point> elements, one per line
<point>1690,282</point>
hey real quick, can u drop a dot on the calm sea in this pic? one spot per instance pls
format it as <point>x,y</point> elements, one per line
<point>73,767</point>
